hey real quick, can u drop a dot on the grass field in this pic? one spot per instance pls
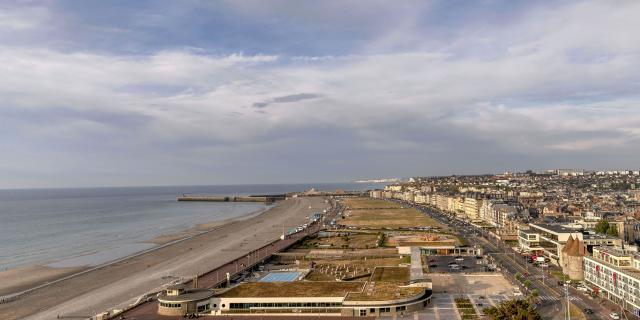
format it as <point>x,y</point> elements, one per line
<point>361,263</point>
<point>390,274</point>
<point>368,203</point>
<point>388,218</point>
<point>352,241</point>
<point>421,239</point>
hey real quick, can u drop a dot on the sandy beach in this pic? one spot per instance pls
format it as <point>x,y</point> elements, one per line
<point>19,279</point>
<point>26,277</point>
<point>200,228</point>
<point>121,283</point>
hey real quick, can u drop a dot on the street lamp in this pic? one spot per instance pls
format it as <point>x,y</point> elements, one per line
<point>566,294</point>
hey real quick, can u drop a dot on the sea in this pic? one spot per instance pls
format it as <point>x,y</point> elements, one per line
<point>92,226</point>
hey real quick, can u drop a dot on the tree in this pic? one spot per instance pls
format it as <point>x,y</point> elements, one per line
<point>527,283</point>
<point>602,226</point>
<point>513,310</point>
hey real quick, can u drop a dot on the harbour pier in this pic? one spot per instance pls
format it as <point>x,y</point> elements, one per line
<point>216,198</point>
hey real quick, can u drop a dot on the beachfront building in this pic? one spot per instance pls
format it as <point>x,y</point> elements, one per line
<point>529,238</point>
<point>472,208</point>
<point>615,275</point>
<point>178,300</point>
<point>389,291</point>
<point>552,238</point>
<point>529,241</point>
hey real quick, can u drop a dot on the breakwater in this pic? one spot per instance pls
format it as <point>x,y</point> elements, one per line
<point>251,198</point>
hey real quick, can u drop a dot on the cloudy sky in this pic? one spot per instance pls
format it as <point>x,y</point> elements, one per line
<point>102,93</point>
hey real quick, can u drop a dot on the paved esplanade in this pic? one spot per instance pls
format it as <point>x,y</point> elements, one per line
<point>416,264</point>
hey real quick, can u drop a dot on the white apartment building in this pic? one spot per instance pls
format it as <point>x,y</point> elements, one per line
<point>615,275</point>
<point>472,208</point>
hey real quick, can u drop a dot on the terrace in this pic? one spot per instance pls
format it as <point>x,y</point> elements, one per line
<point>390,274</point>
<point>384,291</point>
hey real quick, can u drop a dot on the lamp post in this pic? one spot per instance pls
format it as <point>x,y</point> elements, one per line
<point>566,294</point>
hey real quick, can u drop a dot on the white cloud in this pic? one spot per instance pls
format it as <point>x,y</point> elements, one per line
<point>14,19</point>
<point>563,79</point>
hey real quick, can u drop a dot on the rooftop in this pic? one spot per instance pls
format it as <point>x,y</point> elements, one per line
<point>179,286</point>
<point>292,289</point>
<point>190,295</point>
<point>631,271</point>
<point>384,291</point>
<point>557,228</point>
<point>598,236</point>
<point>615,252</point>
<point>390,274</point>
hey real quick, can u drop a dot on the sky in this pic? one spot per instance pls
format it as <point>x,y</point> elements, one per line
<point>131,93</point>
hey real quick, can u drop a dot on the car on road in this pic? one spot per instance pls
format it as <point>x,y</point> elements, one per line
<point>582,288</point>
<point>614,316</point>
<point>459,259</point>
<point>543,265</point>
<point>588,311</point>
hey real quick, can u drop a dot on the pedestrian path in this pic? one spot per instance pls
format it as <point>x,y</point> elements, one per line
<point>552,298</point>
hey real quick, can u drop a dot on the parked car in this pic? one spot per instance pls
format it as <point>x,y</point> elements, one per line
<point>582,288</point>
<point>459,259</point>
<point>614,316</point>
<point>588,311</point>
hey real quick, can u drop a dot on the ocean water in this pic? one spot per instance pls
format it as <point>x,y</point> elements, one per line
<point>90,226</point>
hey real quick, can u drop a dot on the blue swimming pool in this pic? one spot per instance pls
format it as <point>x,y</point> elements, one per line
<point>280,277</point>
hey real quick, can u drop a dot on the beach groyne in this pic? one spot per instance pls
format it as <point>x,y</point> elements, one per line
<point>215,198</point>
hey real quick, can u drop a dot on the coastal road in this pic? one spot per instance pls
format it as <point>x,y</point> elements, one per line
<point>551,295</point>
<point>118,285</point>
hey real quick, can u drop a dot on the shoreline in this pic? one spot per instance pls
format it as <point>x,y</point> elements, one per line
<point>121,283</point>
<point>23,279</point>
<point>200,228</point>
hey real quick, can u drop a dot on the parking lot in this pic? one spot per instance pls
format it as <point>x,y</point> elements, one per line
<point>445,264</point>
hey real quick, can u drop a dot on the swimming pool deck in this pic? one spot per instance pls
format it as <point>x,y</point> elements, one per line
<point>281,277</point>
